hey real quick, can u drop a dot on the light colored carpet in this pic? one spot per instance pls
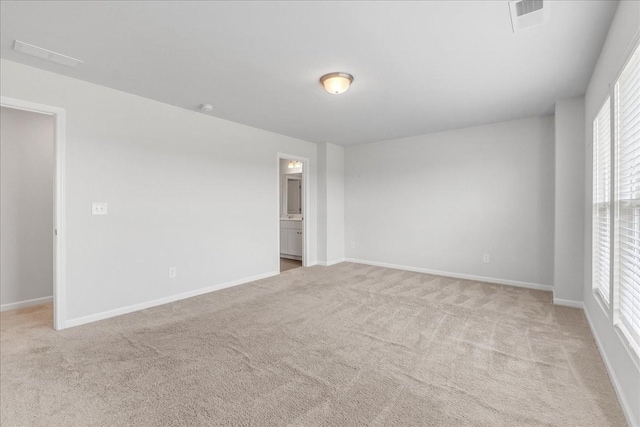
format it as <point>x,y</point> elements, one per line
<point>289,264</point>
<point>346,345</point>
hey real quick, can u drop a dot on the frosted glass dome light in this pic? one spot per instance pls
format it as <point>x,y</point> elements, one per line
<point>336,83</point>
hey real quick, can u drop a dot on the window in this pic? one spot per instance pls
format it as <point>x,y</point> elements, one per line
<point>627,199</point>
<point>602,201</point>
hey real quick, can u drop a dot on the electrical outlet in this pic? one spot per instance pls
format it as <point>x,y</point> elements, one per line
<point>353,245</point>
<point>99,208</point>
<point>173,272</point>
<point>486,258</point>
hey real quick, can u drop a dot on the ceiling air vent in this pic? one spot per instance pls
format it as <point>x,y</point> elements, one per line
<point>49,55</point>
<point>528,13</point>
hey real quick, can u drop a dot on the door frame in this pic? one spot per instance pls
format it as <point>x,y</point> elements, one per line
<point>305,209</point>
<point>59,232</point>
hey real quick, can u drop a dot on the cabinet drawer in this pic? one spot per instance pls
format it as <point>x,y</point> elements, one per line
<point>292,225</point>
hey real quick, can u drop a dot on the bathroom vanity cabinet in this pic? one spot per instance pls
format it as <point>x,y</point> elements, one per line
<point>291,238</point>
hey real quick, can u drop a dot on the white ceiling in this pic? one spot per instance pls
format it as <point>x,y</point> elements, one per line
<point>419,67</point>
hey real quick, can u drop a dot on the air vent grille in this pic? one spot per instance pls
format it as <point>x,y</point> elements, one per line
<point>528,13</point>
<point>49,55</point>
<point>527,6</point>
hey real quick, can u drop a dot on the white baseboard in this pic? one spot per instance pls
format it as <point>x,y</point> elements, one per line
<point>27,303</point>
<point>568,303</point>
<point>330,263</point>
<point>614,379</point>
<point>160,301</point>
<point>519,284</point>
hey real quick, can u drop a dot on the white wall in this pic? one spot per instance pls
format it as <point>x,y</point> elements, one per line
<point>26,206</point>
<point>569,201</point>
<point>322,203</point>
<point>330,203</point>
<point>622,38</point>
<point>441,201</point>
<point>184,189</point>
<point>335,203</point>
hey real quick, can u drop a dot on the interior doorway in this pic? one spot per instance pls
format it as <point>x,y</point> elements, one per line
<point>292,209</point>
<point>31,201</point>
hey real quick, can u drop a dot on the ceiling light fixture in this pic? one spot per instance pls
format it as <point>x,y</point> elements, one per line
<point>294,164</point>
<point>336,83</point>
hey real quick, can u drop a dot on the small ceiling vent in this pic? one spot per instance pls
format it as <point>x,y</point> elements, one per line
<point>528,13</point>
<point>49,55</point>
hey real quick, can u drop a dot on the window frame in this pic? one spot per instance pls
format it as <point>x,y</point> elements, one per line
<point>631,343</point>
<point>604,304</point>
<point>611,309</point>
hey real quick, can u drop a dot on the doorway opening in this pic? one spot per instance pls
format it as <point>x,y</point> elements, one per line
<point>31,220</point>
<point>291,212</point>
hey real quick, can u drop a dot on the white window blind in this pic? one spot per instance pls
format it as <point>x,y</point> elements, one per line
<point>602,200</point>
<point>627,141</point>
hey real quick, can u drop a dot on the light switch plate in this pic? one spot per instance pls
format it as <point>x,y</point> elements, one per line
<point>99,208</point>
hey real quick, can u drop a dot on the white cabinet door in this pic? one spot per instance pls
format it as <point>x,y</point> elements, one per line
<point>295,242</point>
<point>284,240</point>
